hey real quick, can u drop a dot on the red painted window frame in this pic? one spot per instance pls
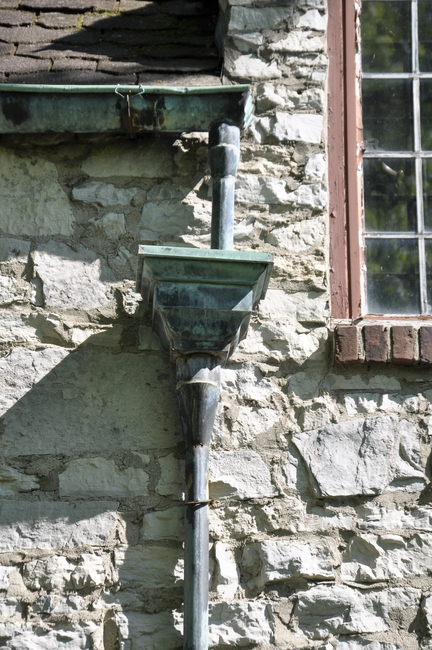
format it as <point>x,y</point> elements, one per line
<point>344,156</point>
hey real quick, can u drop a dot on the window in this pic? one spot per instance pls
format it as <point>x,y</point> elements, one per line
<point>381,187</point>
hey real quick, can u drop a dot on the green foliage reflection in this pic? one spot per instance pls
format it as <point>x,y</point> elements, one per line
<point>386,36</point>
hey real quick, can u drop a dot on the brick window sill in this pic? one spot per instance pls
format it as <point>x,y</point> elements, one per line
<point>397,344</point>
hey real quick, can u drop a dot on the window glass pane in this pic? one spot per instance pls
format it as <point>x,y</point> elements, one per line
<point>425,35</point>
<point>426,114</point>
<point>427,194</point>
<point>428,246</point>
<point>386,36</point>
<point>390,195</point>
<point>387,114</point>
<point>392,276</point>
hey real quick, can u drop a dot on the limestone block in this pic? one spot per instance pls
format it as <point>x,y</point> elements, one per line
<point>372,516</point>
<point>32,200</point>
<point>151,567</point>
<point>325,610</point>
<point>248,66</point>
<point>299,41</point>
<point>98,401</point>
<point>309,196</point>
<point>12,481</point>
<point>250,423</point>
<point>240,623</point>
<point>167,219</point>
<point>239,475</point>
<point>311,307</point>
<point>99,477</point>
<point>58,605</point>
<point>70,637</point>
<point>12,291</point>
<point>253,189</point>
<point>227,572</point>
<point>324,519</point>
<point>72,278</point>
<point>171,482</point>
<point>163,524</point>
<point>247,382</point>
<point>355,382</point>
<point>361,456</point>
<point>89,573</point>
<point>364,644</point>
<point>52,573</point>
<point>233,521</point>
<point>111,225</point>
<point>51,524</point>
<point>315,167</point>
<point>372,558</point>
<point>248,43</point>
<point>312,19</point>
<point>103,194</point>
<point>284,561</point>
<point>108,336</point>
<point>4,577</point>
<point>274,95</point>
<point>243,19</point>
<point>137,160</point>
<point>286,127</point>
<point>17,328</point>
<point>299,237</point>
<point>14,250</point>
<point>161,631</point>
<point>9,605</point>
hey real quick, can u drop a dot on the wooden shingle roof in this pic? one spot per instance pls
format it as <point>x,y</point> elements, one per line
<point>108,42</point>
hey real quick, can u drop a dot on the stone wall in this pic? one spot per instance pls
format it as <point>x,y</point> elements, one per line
<point>321,528</point>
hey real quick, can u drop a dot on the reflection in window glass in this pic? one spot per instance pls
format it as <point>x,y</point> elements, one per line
<point>386,36</point>
<point>426,114</point>
<point>425,35</point>
<point>387,114</point>
<point>392,276</point>
<point>390,195</point>
<point>427,194</point>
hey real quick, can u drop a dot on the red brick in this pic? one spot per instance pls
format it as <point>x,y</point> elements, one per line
<point>403,339</point>
<point>376,343</point>
<point>425,342</point>
<point>346,344</point>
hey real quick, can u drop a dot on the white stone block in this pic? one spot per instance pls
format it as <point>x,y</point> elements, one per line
<point>5,571</point>
<point>250,423</point>
<point>283,561</point>
<point>111,225</point>
<point>51,524</point>
<point>14,250</point>
<point>287,127</point>
<point>13,291</point>
<point>299,41</point>
<point>17,328</point>
<point>69,637</point>
<point>364,644</point>
<point>254,189</point>
<point>164,524</point>
<point>53,573</point>
<point>372,516</point>
<point>315,167</point>
<point>312,19</point>
<point>247,382</point>
<point>12,481</point>
<point>72,278</point>
<point>89,573</point>
<point>97,401</point>
<point>240,623</point>
<point>33,203</point>
<point>9,606</point>
<point>174,220</point>
<point>243,19</point>
<point>161,631</point>
<point>249,66</point>
<point>99,477</point>
<point>239,475</point>
<point>58,605</point>
<point>137,159</point>
<point>227,572</point>
<point>372,558</point>
<point>309,307</point>
<point>248,43</point>
<point>151,567</point>
<point>361,456</point>
<point>103,194</point>
<point>299,237</point>
<point>171,482</point>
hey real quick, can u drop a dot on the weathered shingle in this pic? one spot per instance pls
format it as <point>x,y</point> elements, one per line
<point>101,41</point>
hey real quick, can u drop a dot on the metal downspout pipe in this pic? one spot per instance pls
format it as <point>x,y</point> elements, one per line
<point>198,392</point>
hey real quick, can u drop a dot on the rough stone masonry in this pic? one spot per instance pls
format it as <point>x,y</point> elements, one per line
<point>321,528</point>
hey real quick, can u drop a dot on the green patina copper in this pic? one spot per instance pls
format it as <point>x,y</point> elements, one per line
<point>132,110</point>
<point>202,300</point>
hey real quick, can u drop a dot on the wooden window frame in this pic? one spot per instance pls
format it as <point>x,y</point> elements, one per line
<point>344,156</point>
